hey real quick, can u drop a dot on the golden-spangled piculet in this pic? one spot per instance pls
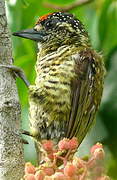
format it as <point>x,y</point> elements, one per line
<point>69,78</point>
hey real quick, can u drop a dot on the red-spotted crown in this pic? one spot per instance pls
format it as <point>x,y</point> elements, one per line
<point>62,17</point>
<point>42,18</point>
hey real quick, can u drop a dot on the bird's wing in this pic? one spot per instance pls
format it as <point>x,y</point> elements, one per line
<point>83,108</point>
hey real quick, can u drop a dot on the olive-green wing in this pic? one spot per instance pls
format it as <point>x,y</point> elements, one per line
<point>83,108</point>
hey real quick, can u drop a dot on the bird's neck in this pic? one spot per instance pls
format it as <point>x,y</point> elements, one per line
<point>48,50</point>
<point>46,56</point>
<point>52,45</point>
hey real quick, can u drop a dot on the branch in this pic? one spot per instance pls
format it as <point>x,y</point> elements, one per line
<point>68,7</point>
<point>11,150</point>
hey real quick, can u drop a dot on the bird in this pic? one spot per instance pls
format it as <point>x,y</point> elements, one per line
<point>69,79</point>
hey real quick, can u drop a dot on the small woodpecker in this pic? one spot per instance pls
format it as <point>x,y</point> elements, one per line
<point>69,78</point>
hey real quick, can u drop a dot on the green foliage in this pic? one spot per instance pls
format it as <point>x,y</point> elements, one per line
<point>100,19</point>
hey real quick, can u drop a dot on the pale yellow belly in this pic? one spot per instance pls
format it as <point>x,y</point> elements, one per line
<point>50,101</point>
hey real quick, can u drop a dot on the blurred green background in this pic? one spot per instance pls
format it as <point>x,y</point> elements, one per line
<point>100,20</point>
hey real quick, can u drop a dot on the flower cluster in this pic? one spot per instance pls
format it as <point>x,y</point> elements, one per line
<point>61,163</point>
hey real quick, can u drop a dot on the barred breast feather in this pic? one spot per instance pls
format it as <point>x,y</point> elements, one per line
<point>65,97</point>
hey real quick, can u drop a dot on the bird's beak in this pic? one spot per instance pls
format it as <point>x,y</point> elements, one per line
<point>31,34</point>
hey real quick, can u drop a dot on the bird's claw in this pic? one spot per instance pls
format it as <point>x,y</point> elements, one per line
<point>25,132</point>
<point>18,72</point>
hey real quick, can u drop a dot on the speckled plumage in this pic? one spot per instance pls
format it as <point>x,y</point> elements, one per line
<point>68,85</point>
<point>69,79</point>
<point>51,98</point>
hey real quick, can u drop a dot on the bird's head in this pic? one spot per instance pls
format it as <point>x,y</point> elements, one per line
<point>56,29</point>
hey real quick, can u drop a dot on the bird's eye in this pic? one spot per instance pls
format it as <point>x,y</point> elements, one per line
<point>51,24</point>
<point>48,24</point>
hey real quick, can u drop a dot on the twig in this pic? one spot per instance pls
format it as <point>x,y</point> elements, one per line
<point>68,7</point>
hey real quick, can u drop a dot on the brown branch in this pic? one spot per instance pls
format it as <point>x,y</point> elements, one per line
<point>68,7</point>
<point>11,148</point>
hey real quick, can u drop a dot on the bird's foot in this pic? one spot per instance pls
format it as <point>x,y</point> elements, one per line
<point>24,141</point>
<point>18,72</point>
<point>25,132</point>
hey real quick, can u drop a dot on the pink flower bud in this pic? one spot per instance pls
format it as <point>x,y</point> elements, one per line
<point>69,170</point>
<point>48,171</point>
<point>59,176</point>
<point>39,175</point>
<point>47,145</point>
<point>29,168</point>
<point>97,151</point>
<point>64,144</point>
<point>96,146</point>
<point>78,162</point>
<point>29,177</point>
<point>73,143</point>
